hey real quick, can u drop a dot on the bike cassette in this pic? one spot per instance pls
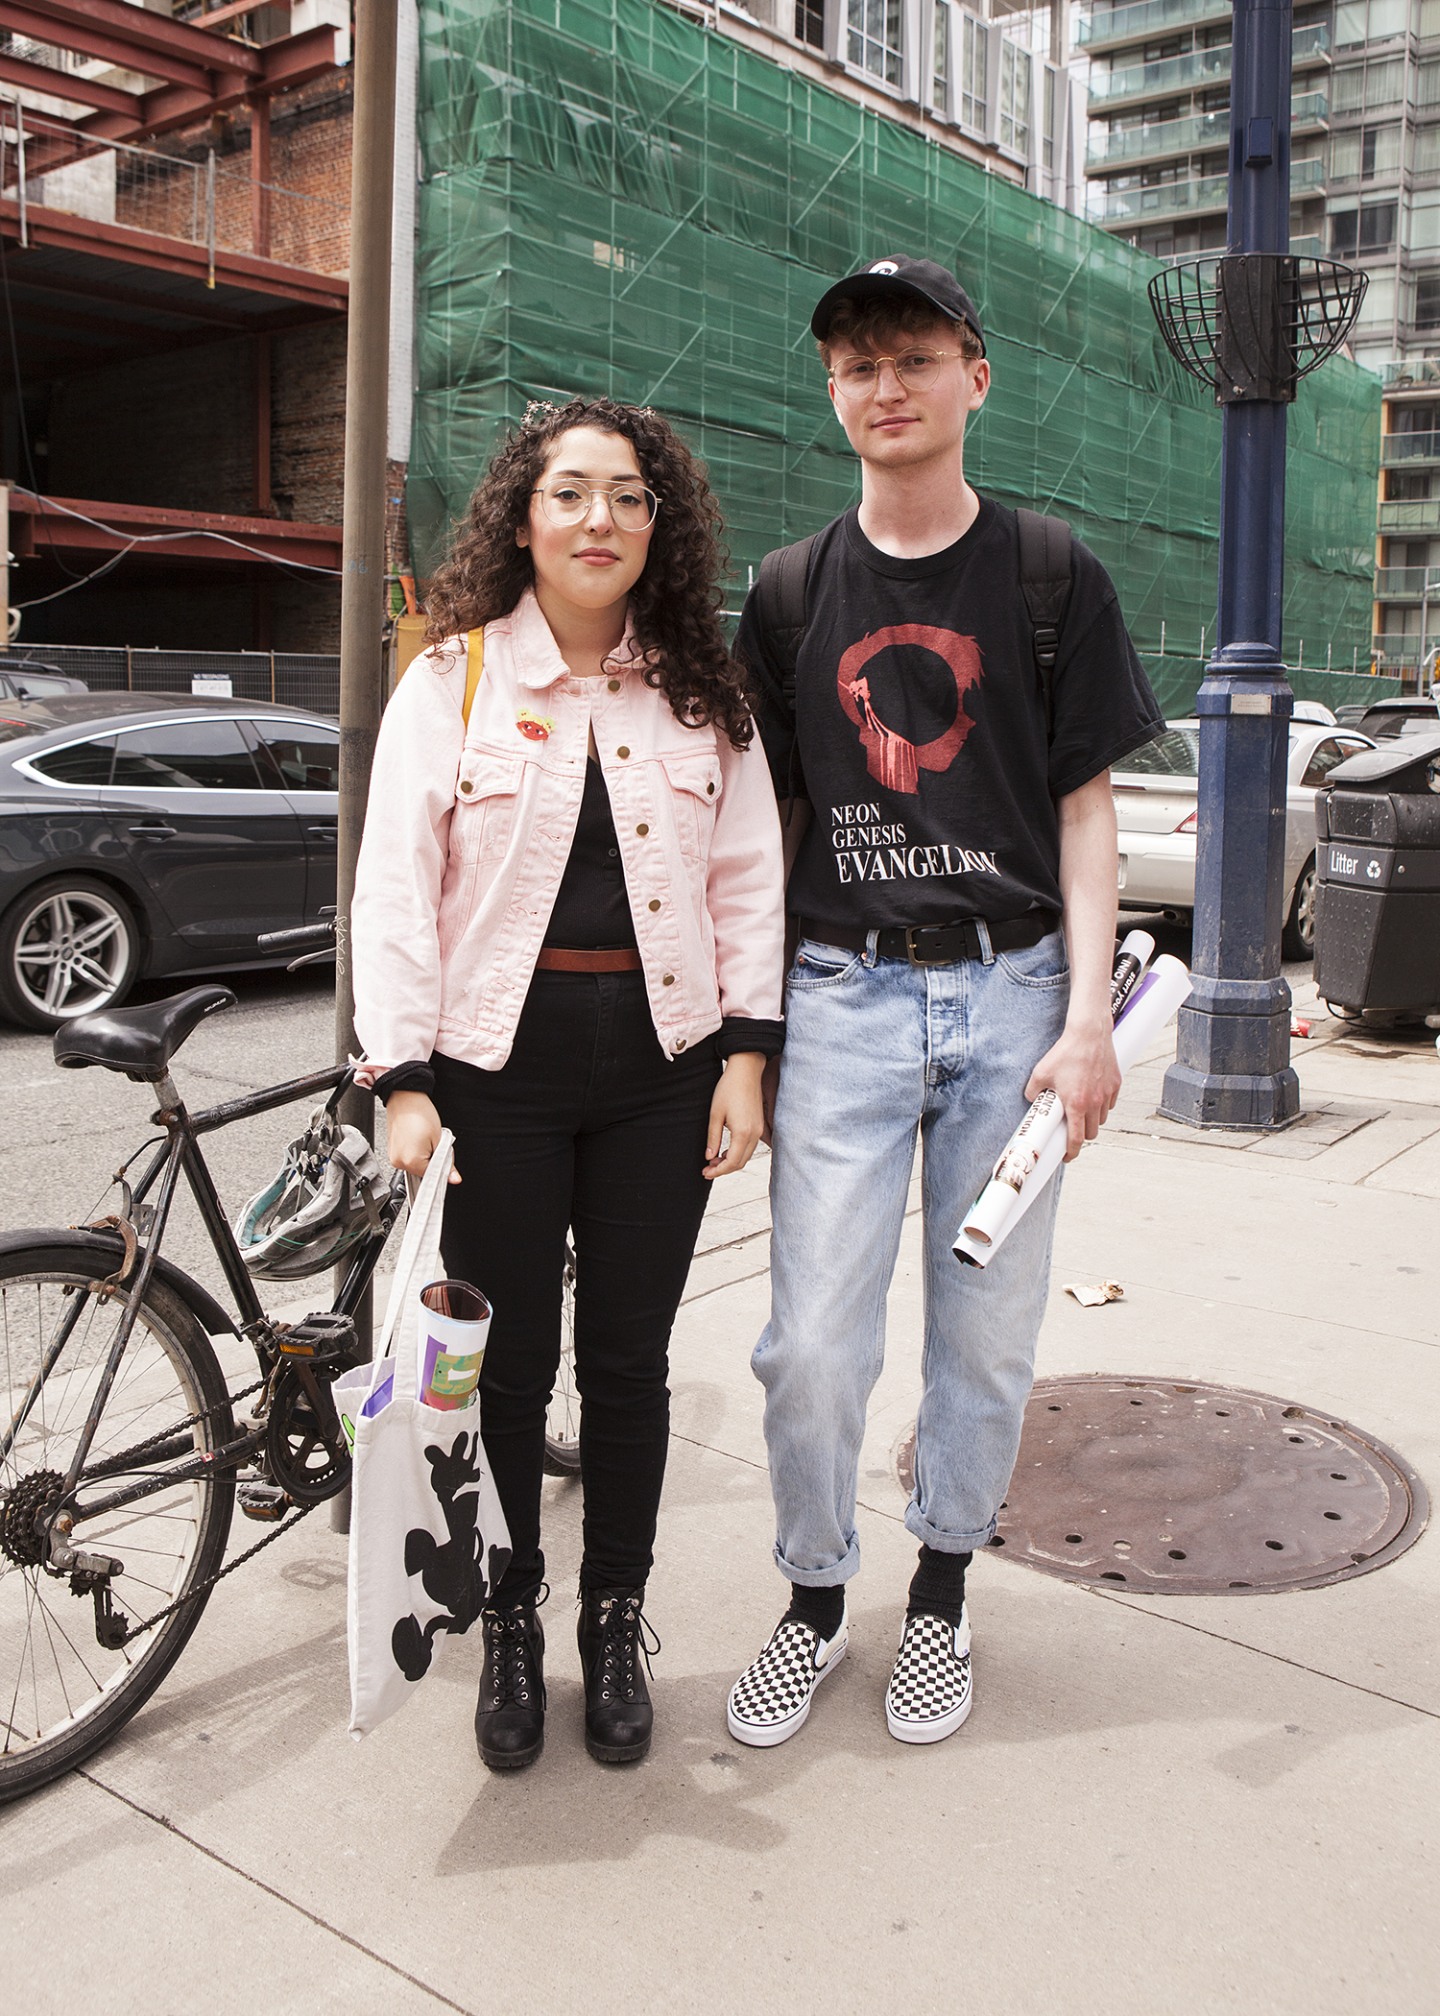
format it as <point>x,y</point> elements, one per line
<point>324,1338</point>
<point>24,1515</point>
<point>305,1450</point>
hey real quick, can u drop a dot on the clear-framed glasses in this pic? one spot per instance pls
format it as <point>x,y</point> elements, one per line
<point>568,501</point>
<point>917,370</point>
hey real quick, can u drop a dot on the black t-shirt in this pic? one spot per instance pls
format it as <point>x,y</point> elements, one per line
<point>592,904</point>
<point>920,731</point>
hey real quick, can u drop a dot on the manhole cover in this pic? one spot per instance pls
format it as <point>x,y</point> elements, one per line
<point>1158,1486</point>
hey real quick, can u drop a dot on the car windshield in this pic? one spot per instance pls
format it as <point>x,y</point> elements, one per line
<point>12,731</point>
<point>1176,753</point>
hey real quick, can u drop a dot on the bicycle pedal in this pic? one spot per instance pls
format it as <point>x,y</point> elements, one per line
<point>263,1501</point>
<point>325,1337</point>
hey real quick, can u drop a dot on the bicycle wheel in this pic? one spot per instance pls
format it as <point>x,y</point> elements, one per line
<point>63,1693</point>
<point>562,1419</point>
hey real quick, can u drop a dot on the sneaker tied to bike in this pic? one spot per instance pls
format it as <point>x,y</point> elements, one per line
<point>510,1716</point>
<point>772,1697</point>
<point>931,1687</point>
<point>616,1644</point>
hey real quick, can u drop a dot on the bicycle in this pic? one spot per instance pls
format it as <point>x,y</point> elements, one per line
<point>125,1453</point>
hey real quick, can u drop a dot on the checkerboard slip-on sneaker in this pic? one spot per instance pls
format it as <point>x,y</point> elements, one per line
<point>772,1697</point>
<point>930,1692</point>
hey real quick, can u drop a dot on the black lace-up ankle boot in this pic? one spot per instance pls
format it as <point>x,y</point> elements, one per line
<point>614,1654</point>
<point>510,1718</point>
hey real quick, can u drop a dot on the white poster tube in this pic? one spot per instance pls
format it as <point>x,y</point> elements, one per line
<point>1029,1161</point>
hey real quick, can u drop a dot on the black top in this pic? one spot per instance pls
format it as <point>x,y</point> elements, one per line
<point>920,720</point>
<point>592,905</point>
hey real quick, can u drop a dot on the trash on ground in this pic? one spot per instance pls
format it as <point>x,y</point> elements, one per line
<point>1094,1294</point>
<point>1298,1027</point>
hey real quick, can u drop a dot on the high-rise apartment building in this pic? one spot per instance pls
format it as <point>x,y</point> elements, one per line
<point>1365,189</point>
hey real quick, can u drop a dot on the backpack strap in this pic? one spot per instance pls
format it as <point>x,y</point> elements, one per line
<point>780,598</point>
<point>1045,577</point>
<point>474,666</point>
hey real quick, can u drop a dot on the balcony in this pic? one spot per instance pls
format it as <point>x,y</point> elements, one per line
<point>1412,514</point>
<point>1201,69</point>
<point>1395,448</point>
<point>1406,584</point>
<point>1108,26</point>
<point>1412,374</point>
<point>1114,147</point>
<point>1165,199</point>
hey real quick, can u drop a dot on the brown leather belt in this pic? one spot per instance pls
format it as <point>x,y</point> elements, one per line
<point>937,944</point>
<point>557,959</point>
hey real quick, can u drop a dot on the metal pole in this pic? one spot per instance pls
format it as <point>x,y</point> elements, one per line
<point>20,167</point>
<point>1232,1065</point>
<point>362,587</point>
<point>1424,610</point>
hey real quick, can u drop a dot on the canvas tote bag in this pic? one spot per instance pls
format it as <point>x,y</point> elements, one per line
<point>428,1539</point>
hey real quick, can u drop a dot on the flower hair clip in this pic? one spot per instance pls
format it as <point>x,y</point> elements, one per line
<point>537,411</point>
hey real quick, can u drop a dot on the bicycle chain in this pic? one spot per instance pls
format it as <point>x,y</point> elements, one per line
<point>124,1457</point>
<point>204,1588</point>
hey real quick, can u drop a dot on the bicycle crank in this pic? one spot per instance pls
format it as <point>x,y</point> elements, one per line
<point>305,1448</point>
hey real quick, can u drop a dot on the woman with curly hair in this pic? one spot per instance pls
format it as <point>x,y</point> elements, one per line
<point>568,941</point>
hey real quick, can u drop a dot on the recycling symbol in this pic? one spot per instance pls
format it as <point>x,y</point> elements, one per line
<point>1373,870</point>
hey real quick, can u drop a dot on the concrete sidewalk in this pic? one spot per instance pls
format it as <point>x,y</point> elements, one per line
<point>1159,1804</point>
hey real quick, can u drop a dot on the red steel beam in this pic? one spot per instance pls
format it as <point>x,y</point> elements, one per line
<point>156,34</point>
<point>231,9</point>
<point>201,534</point>
<point>124,244</point>
<point>78,90</point>
<point>110,48</point>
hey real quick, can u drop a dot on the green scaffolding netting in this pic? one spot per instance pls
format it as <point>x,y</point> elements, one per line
<point>616,199</point>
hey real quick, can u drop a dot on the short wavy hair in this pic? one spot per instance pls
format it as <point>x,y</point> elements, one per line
<point>674,606</point>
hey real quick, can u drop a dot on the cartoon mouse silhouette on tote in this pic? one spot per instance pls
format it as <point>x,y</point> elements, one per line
<point>450,1570</point>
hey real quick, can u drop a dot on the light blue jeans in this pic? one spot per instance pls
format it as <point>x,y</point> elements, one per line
<point>874,1049</point>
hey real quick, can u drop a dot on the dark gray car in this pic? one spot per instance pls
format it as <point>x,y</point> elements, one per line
<point>142,836</point>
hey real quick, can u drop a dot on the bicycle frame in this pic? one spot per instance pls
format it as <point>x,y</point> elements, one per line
<point>181,1153</point>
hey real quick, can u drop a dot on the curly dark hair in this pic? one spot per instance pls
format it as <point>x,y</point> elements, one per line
<point>674,606</point>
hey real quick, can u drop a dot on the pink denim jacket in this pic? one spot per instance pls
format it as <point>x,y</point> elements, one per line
<point>467,834</point>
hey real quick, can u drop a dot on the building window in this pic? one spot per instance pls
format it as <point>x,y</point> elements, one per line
<point>1048,133</point>
<point>974,100</point>
<point>1015,100</point>
<point>942,55</point>
<point>1427,301</point>
<point>1370,229</point>
<point>875,37</point>
<point>810,22</point>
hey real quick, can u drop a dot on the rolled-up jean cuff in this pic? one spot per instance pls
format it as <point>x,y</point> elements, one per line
<point>946,1543</point>
<point>821,1578</point>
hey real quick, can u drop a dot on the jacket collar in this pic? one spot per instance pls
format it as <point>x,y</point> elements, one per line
<point>538,662</point>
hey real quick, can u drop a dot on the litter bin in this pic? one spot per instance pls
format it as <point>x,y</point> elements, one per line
<point>1377,919</point>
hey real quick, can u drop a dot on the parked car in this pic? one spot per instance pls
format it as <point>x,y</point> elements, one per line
<point>1156,792</point>
<point>22,680</point>
<point>143,836</point>
<point>1380,719</point>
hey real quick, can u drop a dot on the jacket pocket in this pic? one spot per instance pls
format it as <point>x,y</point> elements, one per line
<point>694,780</point>
<point>486,793</point>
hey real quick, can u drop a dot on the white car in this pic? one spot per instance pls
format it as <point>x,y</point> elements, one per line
<point>1156,792</point>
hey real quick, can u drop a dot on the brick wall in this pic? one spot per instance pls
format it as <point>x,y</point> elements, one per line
<point>307,444</point>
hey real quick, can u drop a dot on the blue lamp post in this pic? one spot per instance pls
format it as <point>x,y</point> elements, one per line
<point>1249,325</point>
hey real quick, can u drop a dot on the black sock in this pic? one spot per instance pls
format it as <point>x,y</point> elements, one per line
<point>937,1587</point>
<point>822,1609</point>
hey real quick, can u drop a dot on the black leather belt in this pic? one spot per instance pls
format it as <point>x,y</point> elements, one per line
<point>937,944</point>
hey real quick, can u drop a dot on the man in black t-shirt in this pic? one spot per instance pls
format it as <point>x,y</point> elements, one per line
<point>945,815</point>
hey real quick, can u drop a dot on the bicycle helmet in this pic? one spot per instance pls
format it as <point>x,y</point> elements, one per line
<point>327,1196</point>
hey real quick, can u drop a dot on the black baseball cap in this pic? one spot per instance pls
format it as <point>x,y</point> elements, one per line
<point>900,279</point>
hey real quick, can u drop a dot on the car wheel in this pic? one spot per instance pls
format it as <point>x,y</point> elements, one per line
<point>67,947</point>
<point>1297,941</point>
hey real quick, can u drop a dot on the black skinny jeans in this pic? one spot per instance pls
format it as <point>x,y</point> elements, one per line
<point>586,1129</point>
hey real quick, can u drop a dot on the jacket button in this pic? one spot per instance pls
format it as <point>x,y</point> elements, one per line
<point>667,980</point>
<point>681,1044</point>
<point>642,831</point>
<point>466,787</point>
<point>622,752</point>
<point>613,684</point>
<point>710,790</point>
<point>654,902</point>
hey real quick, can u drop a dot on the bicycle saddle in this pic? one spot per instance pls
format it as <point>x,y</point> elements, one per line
<point>138,1041</point>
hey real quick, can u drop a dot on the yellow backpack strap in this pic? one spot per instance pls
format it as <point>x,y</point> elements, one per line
<point>474,666</point>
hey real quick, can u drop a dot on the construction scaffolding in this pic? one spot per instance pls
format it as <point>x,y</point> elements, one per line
<point>619,199</point>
